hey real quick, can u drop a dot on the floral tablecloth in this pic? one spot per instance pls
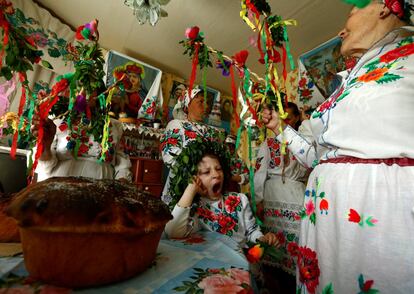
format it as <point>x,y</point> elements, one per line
<point>206,262</point>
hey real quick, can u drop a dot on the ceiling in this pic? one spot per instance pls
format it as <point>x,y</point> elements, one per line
<point>318,21</point>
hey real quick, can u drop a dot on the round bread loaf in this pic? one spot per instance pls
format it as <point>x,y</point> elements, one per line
<point>9,231</point>
<point>79,232</point>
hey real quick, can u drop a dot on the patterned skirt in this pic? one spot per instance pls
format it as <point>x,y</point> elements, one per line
<point>357,230</point>
<point>282,204</point>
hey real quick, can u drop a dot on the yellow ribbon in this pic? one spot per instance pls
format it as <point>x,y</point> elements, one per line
<point>287,22</point>
<point>105,135</point>
<point>243,15</point>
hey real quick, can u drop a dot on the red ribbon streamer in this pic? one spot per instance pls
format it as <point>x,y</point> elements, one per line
<point>234,92</point>
<point>193,69</point>
<point>44,109</point>
<point>22,78</point>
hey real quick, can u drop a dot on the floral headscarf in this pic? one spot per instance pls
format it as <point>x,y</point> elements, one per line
<point>404,9</point>
<point>181,108</point>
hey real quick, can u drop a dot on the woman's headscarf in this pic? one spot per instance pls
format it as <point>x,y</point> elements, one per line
<point>181,108</point>
<point>404,9</point>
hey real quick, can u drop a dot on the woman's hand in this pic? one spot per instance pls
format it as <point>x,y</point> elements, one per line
<point>49,132</point>
<point>271,120</point>
<point>271,239</point>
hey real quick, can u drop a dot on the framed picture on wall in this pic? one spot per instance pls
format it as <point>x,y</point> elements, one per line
<point>141,84</point>
<point>323,63</point>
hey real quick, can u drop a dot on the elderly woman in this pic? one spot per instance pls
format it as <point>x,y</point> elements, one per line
<point>358,216</point>
<point>189,114</point>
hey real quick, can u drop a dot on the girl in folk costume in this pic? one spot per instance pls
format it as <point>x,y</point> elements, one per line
<point>358,215</point>
<point>202,203</point>
<point>189,112</point>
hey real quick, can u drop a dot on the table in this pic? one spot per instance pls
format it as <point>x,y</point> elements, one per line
<point>205,260</point>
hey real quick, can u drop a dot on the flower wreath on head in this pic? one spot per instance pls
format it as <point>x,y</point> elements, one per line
<point>186,164</point>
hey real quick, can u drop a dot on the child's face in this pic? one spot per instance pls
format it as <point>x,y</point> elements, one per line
<point>211,176</point>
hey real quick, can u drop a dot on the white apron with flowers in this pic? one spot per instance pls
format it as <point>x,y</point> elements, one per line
<point>357,232</point>
<point>177,135</point>
<point>278,182</point>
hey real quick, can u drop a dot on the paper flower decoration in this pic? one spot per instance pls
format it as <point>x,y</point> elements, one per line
<point>88,31</point>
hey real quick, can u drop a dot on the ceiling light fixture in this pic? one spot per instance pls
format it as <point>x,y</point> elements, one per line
<point>147,10</point>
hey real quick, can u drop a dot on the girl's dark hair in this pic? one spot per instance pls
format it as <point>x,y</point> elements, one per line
<point>296,112</point>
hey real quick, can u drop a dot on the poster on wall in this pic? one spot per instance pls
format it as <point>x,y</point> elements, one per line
<point>140,95</point>
<point>322,64</point>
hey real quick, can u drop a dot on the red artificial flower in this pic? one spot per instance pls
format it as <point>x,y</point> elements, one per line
<point>231,203</point>
<point>396,7</point>
<point>354,216</point>
<point>397,53</point>
<point>255,253</point>
<point>192,33</point>
<point>241,57</point>
<point>78,35</point>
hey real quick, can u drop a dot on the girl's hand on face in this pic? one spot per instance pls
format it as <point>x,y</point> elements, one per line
<point>271,239</point>
<point>197,187</point>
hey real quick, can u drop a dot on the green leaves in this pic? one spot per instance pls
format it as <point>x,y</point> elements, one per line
<point>388,77</point>
<point>328,289</point>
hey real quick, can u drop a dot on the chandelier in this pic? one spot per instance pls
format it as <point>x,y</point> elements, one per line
<point>147,10</point>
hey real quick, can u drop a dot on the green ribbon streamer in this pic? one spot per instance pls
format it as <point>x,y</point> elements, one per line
<point>220,57</point>
<point>289,54</point>
<point>266,59</point>
<point>251,176</point>
<point>72,99</point>
<point>238,136</point>
<point>30,113</point>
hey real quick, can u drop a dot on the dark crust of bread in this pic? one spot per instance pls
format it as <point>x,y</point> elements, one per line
<point>74,204</point>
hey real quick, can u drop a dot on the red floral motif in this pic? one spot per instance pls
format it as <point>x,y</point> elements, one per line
<point>172,141</point>
<point>373,75</point>
<point>328,103</point>
<point>354,216</point>
<point>302,82</point>
<point>396,7</point>
<point>205,213</point>
<point>190,134</point>
<point>231,203</point>
<point>324,205</point>
<point>226,223</point>
<point>194,240</point>
<point>293,249</point>
<point>281,237</point>
<point>397,53</point>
